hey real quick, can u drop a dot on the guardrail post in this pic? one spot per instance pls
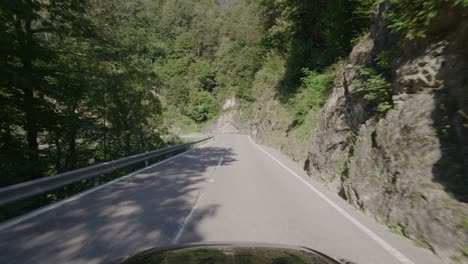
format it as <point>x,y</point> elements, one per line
<point>97,181</point>
<point>146,163</point>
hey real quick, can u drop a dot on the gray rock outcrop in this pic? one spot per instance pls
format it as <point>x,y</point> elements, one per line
<point>408,168</point>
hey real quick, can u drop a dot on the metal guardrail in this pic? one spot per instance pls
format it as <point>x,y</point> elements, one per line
<point>27,189</point>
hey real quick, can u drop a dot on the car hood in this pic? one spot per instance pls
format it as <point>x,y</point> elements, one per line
<point>230,253</point>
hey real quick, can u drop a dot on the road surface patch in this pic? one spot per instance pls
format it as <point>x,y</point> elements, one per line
<point>391,250</point>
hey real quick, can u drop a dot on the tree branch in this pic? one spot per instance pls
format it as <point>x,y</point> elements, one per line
<point>41,30</point>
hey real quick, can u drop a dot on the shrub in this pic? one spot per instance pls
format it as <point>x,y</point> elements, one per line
<point>202,108</point>
<point>268,76</point>
<point>396,228</point>
<point>244,92</point>
<point>204,74</point>
<point>412,18</point>
<point>374,88</point>
<point>464,223</point>
<point>315,90</point>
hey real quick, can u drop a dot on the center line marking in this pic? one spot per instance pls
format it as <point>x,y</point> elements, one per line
<point>192,212</point>
<point>186,221</point>
<point>215,169</point>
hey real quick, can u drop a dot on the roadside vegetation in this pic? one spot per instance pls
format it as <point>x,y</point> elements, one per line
<point>89,79</point>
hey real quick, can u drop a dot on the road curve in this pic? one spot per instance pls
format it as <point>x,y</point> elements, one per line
<point>227,190</point>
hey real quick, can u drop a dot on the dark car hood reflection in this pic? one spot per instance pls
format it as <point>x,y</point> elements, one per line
<point>229,253</point>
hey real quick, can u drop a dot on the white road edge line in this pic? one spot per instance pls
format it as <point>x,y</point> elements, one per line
<point>394,252</point>
<point>42,210</point>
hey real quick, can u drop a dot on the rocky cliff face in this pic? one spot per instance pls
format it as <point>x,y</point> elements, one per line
<point>268,122</point>
<point>267,125</point>
<point>408,168</point>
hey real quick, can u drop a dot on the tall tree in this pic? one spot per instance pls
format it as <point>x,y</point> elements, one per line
<point>27,24</point>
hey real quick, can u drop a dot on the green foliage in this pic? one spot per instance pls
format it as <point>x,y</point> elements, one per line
<point>422,243</point>
<point>315,90</point>
<point>374,88</point>
<point>343,166</point>
<point>184,44</point>
<point>177,93</point>
<point>464,251</point>
<point>85,77</point>
<point>311,34</point>
<point>385,60</point>
<point>396,228</point>
<point>268,76</point>
<point>464,223</point>
<point>245,92</point>
<point>366,8</point>
<point>413,18</point>
<point>203,107</point>
<point>462,255</point>
<point>204,74</point>
<point>212,48</point>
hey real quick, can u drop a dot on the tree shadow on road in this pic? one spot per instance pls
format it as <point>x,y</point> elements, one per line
<point>122,219</point>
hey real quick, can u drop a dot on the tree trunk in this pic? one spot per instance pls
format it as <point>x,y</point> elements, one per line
<point>70,160</point>
<point>28,103</point>
<point>127,143</point>
<point>142,142</point>
<point>58,154</point>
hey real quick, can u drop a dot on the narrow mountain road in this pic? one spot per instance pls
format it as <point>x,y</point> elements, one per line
<point>227,190</point>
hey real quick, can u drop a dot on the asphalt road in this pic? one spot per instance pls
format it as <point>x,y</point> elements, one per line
<point>227,190</point>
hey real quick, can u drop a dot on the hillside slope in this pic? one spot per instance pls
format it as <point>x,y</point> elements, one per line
<point>398,154</point>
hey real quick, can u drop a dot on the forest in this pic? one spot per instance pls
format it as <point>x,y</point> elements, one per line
<point>104,79</point>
